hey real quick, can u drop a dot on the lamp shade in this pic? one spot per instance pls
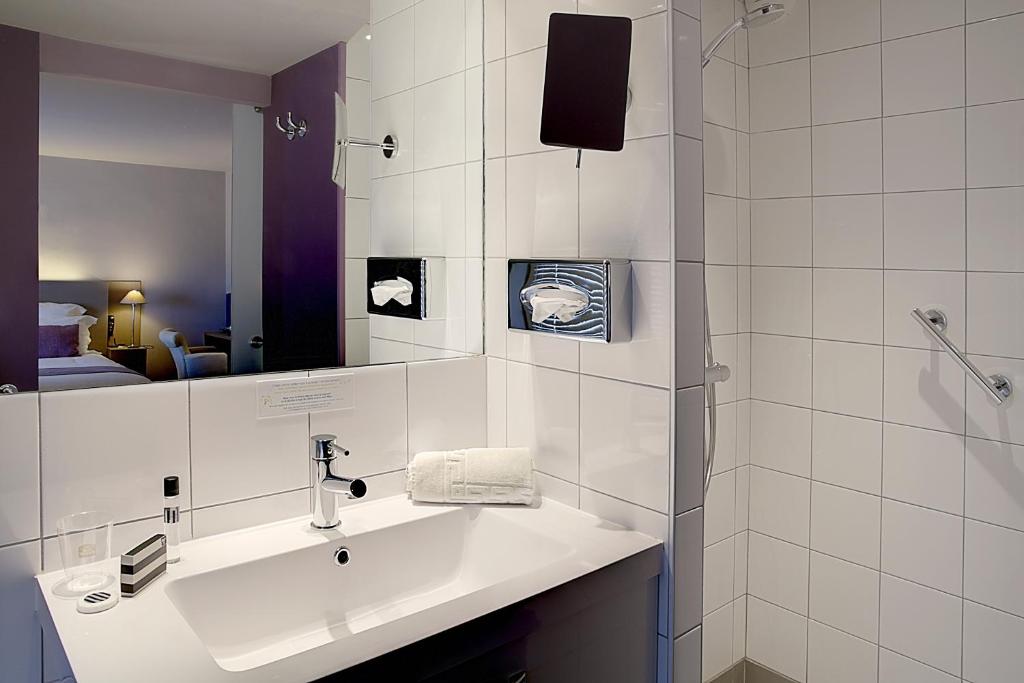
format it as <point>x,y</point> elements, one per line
<point>133,297</point>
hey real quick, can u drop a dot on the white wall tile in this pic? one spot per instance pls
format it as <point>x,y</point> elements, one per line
<point>687,567</point>
<point>453,418</point>
<point>836,24</point>
<point>848,305</point>
<point>907,17</point>
<point>494,109</point>
<point>252,512</point>
<point>990,641</point>
<point>923,389</point>
<point>994,135</point>
<point>847,452</point>
<point>648,78</point>
<point>357,55</point>
<point>719,160</point>
<point>780,369</point>
<point>391,53</point>
<point>391,215</point>
<point>847,85</point>
<point>837,657</point>
<point>720,508</point>
<point>995,483</point>
<point>925,230</point>
<point>228,436</point>
<point>20,645</point>
<point>689,332</point>
<point>984,418</point>
<point>978,10</point>
<point>778,572</point>
<point>924,151</point>
<point>689,444</point>
<point>921,623</point>
<point>540,349</point>
<point>993,53</point>
<point>848,231</point>
<point>906,290</point>
<point>719,81</point>
<point>524,90</point>
<point>543,205</point>
<point>780,438</point>
<point>527,22</point>
<point>19,453</point>
<point>689,192</point>
<point>719,563</point>
<point>780,232</point>
<point>779,505</point>
<point>909,452</point>
<point>722,283</point>
<point>84,469</point>
<point>497,425</point>
<point>393,116</point>
<point>686,74</point>
<point>440,122</point>
<point>557,489</point>
<point>374,430</point>
<point>994,238</point>
<point>543,409</point>
<point>780,96</point>
<point>785,39</point>
<point>847,379</point>
<point>616,221</point>
<point>995,323</point>
<point>780,300</point>
<point>686,657</point>
<point>624,441</point>
<point>847,158</point>
<point>780,164</point>
<point>844,595</point>
<point>382,9</point>
<point>895,668</point>
<point>645,359</point>
<point>845,524</point>
<point>439,212</point>
<point>440,39</point>
<point>777,638</point>
<point>716,15</point>
<point>923,546</point>
<point>922,73</point>
<point>720,229</point>
<point>993,563</point>
<point>716,642</point>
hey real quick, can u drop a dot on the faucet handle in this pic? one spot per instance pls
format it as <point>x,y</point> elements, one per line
<point>325,447</point>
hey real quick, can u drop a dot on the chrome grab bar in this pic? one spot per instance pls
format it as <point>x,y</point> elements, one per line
<point>997,387</point>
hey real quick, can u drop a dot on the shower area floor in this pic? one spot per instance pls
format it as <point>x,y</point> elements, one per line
<point>746,671</point>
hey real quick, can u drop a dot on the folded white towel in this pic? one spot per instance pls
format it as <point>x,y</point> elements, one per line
<point>473,475</point>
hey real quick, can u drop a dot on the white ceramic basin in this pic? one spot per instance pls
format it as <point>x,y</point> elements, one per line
<point>271,604</point>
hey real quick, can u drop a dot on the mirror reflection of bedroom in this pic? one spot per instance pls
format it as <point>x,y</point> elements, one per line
<point>191,206</point>
<point>135,232</point>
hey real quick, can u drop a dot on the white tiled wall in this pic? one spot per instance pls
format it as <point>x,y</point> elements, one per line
<point>357,198</point>
<point>425,82</point>
<point>109,449</point>
<point>886,527</point>
<point>600,418</point>
<point>728,119</point>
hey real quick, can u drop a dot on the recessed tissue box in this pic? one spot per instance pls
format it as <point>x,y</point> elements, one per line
<point>585,300</point>
<point>406,287</point>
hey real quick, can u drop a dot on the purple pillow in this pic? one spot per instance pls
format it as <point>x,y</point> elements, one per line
<point>58,341</point>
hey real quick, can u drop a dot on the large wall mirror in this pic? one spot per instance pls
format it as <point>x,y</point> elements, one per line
<point>197,189</point>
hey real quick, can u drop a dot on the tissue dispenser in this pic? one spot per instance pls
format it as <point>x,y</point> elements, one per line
<point>586,300</point>
<point>427,277</point>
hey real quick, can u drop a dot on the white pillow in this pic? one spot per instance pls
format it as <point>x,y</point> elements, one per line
<point>84,322</point>
<point>51,310</point>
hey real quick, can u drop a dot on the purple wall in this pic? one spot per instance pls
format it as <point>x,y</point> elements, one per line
<point>303,220</point>
<point>19,199</point>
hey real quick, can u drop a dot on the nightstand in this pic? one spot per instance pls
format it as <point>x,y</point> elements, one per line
<point>132,357</point>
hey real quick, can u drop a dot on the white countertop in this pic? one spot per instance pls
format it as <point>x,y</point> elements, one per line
<point>147,638</point>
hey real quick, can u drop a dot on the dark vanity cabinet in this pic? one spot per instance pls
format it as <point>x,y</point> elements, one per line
<point>600,628</point>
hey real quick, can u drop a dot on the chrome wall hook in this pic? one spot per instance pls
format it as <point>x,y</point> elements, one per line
<point>293,128</point>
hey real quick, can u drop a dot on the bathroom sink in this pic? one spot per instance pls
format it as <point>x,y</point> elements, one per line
<point>280,602</point>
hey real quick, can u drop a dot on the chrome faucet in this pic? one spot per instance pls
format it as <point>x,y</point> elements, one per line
<point>324,450</point>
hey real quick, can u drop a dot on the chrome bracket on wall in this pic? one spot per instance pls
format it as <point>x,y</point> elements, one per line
<point>587,300</point>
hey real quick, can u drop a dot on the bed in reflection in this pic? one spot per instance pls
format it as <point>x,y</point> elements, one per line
<point>74,335</point>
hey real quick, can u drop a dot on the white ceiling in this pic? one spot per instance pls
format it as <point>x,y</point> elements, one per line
<point>90,119</point>
<point>260,36</point>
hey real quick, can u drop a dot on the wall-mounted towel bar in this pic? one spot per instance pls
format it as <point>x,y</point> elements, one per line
<point>934,322</point>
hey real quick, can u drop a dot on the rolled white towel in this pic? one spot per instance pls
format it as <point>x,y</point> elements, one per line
<point>473,475</point>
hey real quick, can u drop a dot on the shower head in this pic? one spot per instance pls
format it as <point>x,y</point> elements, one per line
<point>762,16</point>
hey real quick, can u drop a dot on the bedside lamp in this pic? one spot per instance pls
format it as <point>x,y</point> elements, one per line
<point>133,298</point>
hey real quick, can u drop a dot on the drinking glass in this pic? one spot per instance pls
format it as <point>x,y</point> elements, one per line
<point>85,539</point>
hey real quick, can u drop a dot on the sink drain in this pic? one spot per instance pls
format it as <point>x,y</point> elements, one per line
<point>342,556</point>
